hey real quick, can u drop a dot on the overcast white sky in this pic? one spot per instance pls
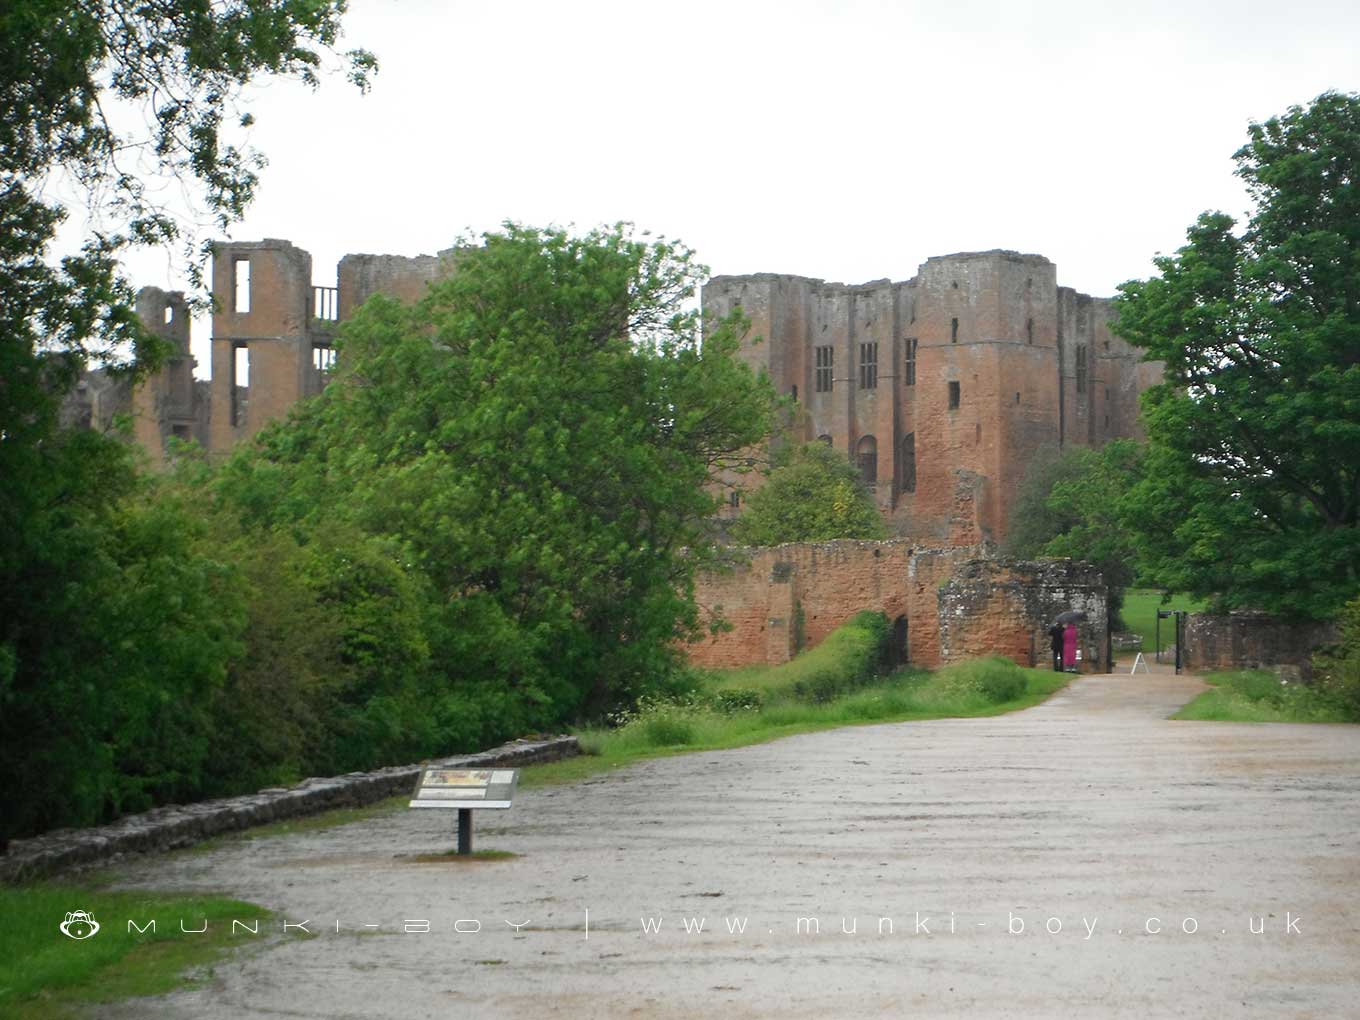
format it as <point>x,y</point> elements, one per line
<point>848,140</point>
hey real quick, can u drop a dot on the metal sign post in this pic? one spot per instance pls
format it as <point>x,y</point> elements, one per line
<point>466,790</point>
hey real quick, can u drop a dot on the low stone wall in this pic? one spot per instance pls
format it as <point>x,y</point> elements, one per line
<point>1249,640</point>
<point>180,825</point>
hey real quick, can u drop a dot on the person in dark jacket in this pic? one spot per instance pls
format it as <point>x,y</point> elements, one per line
<point>1055,634</point>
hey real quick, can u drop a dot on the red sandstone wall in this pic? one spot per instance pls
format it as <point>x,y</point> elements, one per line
<point>957,603</point>
<point>830,582</point>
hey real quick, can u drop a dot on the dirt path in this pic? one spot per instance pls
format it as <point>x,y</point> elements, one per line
<point>1091,809</point>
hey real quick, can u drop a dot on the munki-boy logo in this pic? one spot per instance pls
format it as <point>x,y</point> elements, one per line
<point>79,925</point>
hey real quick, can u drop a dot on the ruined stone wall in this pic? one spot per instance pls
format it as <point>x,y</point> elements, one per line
<point>1005,607</point>
<point>169,403</point>
<point>1250,640</point>
<point>957,602</point>
<point>359,277</point>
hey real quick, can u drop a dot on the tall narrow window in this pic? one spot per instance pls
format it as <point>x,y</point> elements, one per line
<point>953,331</point>
<point>953,396</point>
<point>868,366</point>
<point>911,361</point>
<point>241,286</point>
<point>909,462</point>
<point>1029,331</point>
<point>1081,369</point>
<point>866,454</point>
<point>825,361</point>
<point>240,383</point>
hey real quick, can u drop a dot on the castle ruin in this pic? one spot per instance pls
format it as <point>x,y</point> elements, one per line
<point>942,388</point>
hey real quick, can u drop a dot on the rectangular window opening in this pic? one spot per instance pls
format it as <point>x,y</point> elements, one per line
<point>909,462</point>
<point>323,359</point>
<point>1081,369</point>
<point>822,380</point>
<point>241,286</point>
<point>911,361</point>
<point>1029,331</point>
<point>953,331</point>
<point>868,366</point>
<point>953,396</point>
<point>240,383</point>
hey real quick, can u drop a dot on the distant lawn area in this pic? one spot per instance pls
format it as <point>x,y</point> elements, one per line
<point>1140,616</point>
<point>1256,695</point>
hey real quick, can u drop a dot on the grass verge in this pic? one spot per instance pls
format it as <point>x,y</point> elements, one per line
<point>976,688</point>
<point>44,975</point>
<point>1257,695</point>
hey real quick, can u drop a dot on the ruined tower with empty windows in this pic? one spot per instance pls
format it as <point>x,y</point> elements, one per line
<point>942,388</point>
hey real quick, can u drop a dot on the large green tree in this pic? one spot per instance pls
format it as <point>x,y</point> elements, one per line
<point>1251,492</point>
<point>112,629</point>
<point>813,494</point>
<point>1073,504</point>
<point>539,435</point>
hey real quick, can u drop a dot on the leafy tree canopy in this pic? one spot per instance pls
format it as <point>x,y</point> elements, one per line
<point>538,434</point>
<point>108,613</point>
<point>1251,492</point>
<point>813,494</point>
<point>1072,505</point>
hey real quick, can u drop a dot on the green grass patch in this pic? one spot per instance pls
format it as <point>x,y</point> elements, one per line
<point>968,689</point>
<point>1140,615</point>
<point>44,975</point>
<point>1257,695</point>
<point>454,857</point>
<point>846,659</point>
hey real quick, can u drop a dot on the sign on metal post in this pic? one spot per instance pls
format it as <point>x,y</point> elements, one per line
<point>465,790</point>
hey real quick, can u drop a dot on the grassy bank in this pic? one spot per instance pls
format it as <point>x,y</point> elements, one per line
<point>44,975</point>
<point>702,723</point>
<point>1256,695</point>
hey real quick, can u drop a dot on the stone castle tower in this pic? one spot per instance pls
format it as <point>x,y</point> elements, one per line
<point>942,388</point>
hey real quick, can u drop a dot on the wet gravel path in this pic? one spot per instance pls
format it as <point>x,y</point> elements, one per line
<point>1092,812</point>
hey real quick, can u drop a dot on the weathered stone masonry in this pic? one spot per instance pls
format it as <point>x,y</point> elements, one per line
<point>942,388</point>
<point>944,604</point>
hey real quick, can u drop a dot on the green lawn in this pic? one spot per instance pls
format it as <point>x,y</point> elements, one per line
<point>44,975</point>
<point>1256,695</point>
<point>1140,615</point>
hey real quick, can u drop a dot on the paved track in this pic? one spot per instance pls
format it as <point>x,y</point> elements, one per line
<point>1091,809</point>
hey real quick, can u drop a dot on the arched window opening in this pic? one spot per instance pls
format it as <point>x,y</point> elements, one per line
<point>866,455</point>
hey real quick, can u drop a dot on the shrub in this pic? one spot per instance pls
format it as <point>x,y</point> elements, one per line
<point>737,699</point>
<point>1337,670</point>
<point>848,658</point>
<point>993,680</point>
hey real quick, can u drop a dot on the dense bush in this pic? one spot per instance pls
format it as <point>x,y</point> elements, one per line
<point>1336,671</point>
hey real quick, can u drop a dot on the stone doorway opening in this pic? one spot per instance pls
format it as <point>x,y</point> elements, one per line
<point>897,644</point>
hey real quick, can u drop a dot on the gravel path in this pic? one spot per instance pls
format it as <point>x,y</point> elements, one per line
<point>1092,812</point>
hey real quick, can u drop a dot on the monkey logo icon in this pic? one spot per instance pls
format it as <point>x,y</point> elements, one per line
<point>79,925</point>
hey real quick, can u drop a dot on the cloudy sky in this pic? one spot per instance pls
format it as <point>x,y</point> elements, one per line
<point>848,141</point>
